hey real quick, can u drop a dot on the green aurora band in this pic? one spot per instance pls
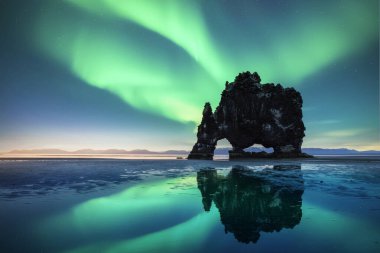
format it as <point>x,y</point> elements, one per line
<point>117,59</point>
<point>133,207</point>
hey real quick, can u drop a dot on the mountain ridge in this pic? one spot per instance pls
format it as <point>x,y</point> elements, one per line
<point>218,151</point>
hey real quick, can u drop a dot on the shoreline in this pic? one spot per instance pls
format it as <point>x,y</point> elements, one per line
<point>316,158</point>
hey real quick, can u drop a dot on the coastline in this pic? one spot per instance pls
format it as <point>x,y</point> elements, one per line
<point>316,158</point>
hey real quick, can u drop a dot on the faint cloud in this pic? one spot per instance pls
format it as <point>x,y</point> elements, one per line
<point>323,122</point>
<point>363,147</point>
<point>345,132</point>
<point>356,138</point>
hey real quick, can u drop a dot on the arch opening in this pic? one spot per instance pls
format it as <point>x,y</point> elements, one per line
<point>223,147</point>
<point>256,148</point>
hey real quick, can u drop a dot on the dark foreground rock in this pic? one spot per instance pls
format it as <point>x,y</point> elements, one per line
<point>253,113</point>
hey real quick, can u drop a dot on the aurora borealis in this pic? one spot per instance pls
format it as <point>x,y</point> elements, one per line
<point>136,73</point>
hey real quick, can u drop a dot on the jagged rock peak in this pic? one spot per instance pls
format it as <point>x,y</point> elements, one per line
<point>207,110</point>
<point>244,76</point>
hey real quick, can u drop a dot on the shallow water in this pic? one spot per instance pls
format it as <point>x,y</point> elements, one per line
<point>89,205</point>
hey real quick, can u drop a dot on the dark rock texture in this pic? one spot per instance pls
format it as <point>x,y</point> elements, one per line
<point>253,113</point>
<point>252,202</point>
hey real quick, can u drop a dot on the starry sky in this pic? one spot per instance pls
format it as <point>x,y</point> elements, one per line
<point>135,74</point>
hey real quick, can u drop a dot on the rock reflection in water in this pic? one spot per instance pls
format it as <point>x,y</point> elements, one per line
<point>250,202</point>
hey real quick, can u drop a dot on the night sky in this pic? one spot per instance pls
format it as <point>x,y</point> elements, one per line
<point>136,73</point>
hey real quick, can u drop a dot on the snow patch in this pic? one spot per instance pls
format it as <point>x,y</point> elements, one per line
<point>277,114</point>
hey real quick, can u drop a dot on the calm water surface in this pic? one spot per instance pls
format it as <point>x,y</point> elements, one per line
<point>89,205</point>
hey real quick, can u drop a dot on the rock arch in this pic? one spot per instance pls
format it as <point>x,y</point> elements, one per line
<point>252,113</point>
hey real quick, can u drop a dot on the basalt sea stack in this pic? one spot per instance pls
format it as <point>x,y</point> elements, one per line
<point>253,113</point>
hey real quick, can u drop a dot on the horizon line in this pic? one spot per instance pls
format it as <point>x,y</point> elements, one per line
<point>144,150</point>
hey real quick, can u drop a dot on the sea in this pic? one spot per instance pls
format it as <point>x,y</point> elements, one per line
<point>325,204</point>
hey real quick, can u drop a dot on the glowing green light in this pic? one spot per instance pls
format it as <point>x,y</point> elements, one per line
<point>141,77</point>
<point>150,79</point>
<point>179,21</point>
<point>137,206</point>
<point>173,239</point>
<point>133,206</point>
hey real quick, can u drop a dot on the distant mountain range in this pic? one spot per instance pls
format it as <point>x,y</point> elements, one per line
<point>310,151</point>
<point>95,152</point>
<point>218,151</point>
